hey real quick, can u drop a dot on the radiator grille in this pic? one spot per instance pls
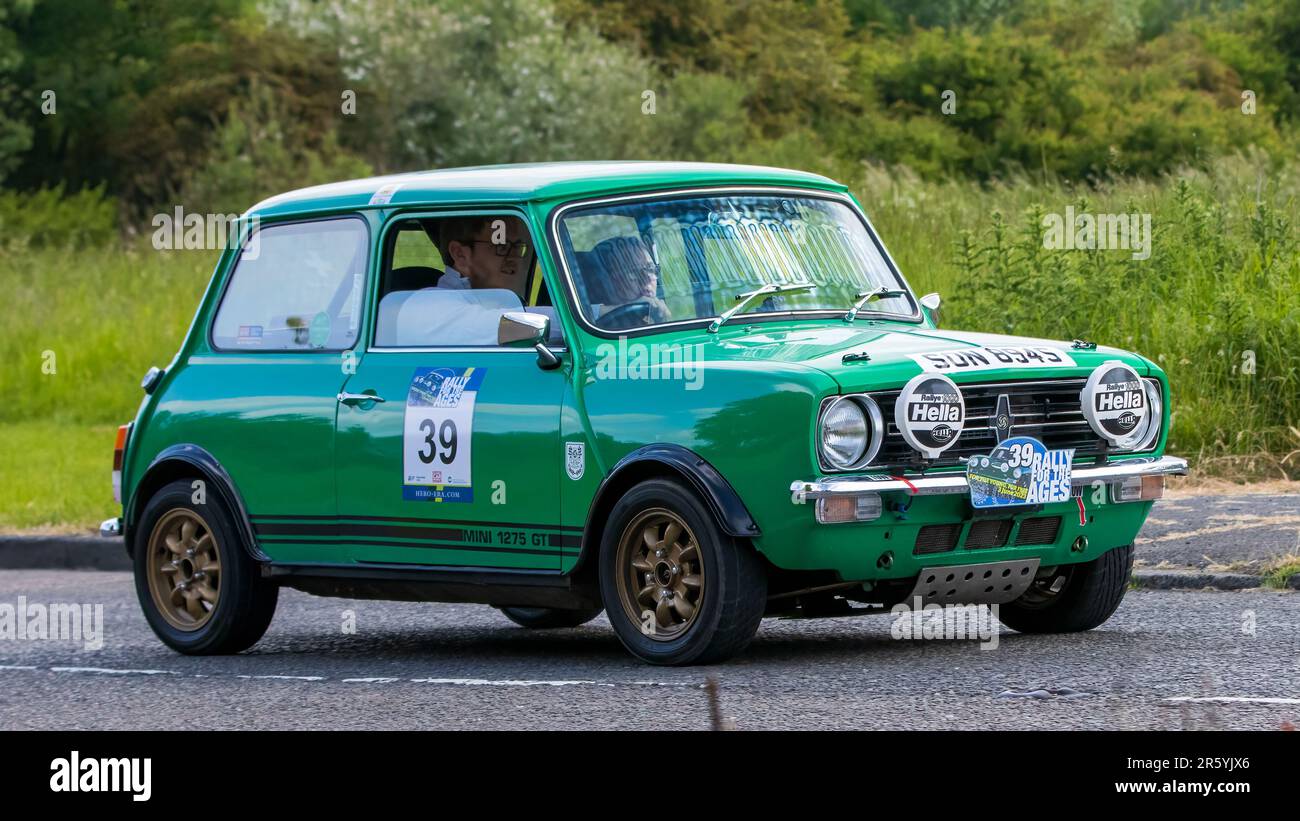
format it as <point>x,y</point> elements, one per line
<point>1047,409</point>
<point>936,538</point>
<point>988,533</point>
<point>1040,530</point>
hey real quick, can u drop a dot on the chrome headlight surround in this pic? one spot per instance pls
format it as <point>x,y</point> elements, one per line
<point>873,436</point>
<point>1155,419</point>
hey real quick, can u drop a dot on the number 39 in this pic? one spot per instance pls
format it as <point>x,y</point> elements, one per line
<point>446,438</point>
<point>1022,455</point>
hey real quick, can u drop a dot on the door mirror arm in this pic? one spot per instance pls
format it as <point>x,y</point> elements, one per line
<point>519,329</point>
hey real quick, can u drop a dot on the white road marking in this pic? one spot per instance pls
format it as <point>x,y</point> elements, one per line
<point>111,672</point>
<point>286,678</point>
<point>369,680</point>
<point>15,667</point>
<point>484,682</point>
<point>1235,699</point>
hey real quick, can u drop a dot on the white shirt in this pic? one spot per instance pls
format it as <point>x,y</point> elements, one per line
<point>452,279</point>
<point>444,316</point>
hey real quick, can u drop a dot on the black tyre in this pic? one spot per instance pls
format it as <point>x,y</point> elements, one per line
<point>548,618</point>
<point>200,590</point>
<point>677,589</point>
<point>1074,598</point>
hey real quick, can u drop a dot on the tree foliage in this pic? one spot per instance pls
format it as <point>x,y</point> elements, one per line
<point>224,100</point>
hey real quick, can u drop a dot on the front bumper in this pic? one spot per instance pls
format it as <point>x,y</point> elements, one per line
<point>953,483</point>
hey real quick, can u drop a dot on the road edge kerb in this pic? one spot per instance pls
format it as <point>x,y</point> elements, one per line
<point>68,552</point>
<point>1193,579</point>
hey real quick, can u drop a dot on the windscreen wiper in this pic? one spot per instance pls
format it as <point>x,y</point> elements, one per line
<point>870,296</point>
<point>743,300</point>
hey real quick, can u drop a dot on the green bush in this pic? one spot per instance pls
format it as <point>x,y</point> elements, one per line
<point>51,218</point>
<point>470,82</point>
<point>255,155</point>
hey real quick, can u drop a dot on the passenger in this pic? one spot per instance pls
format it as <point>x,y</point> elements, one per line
<point>485,252</point>
<point>490,277</point>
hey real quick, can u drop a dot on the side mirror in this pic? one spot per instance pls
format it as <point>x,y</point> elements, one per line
<point>519,329</point>
<point>931,302</point>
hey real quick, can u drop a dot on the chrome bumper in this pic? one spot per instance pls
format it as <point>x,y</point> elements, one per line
<point>949,483</point>
<point>111,528</point>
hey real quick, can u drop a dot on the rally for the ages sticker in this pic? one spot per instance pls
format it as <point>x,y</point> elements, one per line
<point>985,358</point>
<point>1019,471</point>
<point>438,433</point>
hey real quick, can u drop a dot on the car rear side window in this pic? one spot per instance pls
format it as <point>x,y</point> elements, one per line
<point>296,287</point>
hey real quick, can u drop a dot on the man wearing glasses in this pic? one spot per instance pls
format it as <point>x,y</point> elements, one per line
<point>485,252</point>
<point>486,262</point>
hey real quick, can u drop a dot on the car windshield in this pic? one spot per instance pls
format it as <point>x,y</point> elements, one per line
<point>652,262</point>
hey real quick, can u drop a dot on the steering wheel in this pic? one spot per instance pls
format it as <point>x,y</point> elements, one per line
<point>632,315</point>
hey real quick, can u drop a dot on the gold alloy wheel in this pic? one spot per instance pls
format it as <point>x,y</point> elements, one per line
<point>184,569</point>
<point>661,575</point>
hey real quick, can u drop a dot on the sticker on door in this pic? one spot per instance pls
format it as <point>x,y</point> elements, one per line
<point>438,433</point>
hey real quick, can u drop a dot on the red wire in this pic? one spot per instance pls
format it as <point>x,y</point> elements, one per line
<point>910,486</point>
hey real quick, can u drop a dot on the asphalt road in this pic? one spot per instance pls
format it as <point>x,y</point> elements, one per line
<point>1236,655</point>
<point>1242,531</point>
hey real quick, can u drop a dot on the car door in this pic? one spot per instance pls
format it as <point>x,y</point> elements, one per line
<point>456,460</point>
<point>260,395</point>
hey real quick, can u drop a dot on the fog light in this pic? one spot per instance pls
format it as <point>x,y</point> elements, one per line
<point>1138,489</point>
<point>861,508</point>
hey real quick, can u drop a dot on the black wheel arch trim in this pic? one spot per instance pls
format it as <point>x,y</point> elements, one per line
<point>200,460</point>
<point>718,494</point>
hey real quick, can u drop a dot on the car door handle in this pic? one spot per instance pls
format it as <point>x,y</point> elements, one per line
<point>357,398</point>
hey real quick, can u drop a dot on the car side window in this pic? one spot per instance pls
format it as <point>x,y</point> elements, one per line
<point>295,287</point>
<point>446,281</point>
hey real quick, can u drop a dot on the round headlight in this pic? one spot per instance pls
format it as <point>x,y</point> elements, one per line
<point>850,432</point>
<point>844,433</point>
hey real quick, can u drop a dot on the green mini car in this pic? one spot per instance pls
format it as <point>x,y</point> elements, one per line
<point>688,395</point>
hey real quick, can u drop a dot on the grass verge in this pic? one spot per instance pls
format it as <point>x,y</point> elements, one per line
<point>56,477</point>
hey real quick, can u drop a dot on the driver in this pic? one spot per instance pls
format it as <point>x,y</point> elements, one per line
<point>632,277</point>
